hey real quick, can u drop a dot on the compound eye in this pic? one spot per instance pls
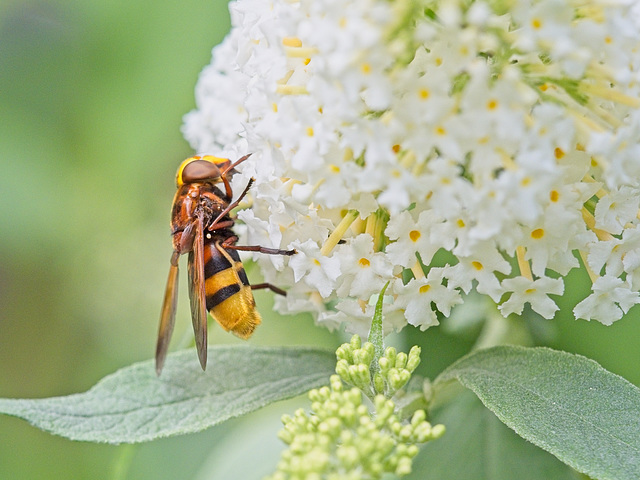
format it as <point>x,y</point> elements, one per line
<point>198,171</point>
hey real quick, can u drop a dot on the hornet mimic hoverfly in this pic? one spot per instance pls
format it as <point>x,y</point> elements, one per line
<point>201,225</point>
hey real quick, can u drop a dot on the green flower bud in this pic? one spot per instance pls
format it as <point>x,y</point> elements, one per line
<point>336,383</point>
<point>341,439</point>
<point>412,450</point>
<point>384,364</point>
<point>342,369</point>
<point>398,378</point>
<point>437,431</point>
<point>370,349</point>
<point>348,456</point>
<point>391,353</point>
<point>418,417</point>
<point>362,357</point>
<point>344,352</point>
<point>378,383</point>
<point>404,466</point>
<point>360,376</point>
<point>286,436</point>
<point>405,433</point>
<point>401,360</point>
<point>414,358</point>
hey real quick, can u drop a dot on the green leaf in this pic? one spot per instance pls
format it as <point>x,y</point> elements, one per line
<point>134,405</point>
<point>566,404</point>
<point>477,446</point>
<point>376,337</point>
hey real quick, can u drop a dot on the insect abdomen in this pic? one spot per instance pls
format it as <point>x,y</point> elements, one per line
<point>228,295</point>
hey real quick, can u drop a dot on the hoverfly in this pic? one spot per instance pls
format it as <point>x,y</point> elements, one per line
<point>201,225</point>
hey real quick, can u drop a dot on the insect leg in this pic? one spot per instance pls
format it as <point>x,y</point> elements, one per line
<point>223,175</point>
<point>273,288</point>
<point>235,164</point>
<point>231,206</point>
<point>230,244</point>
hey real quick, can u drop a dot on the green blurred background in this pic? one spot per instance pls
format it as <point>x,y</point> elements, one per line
<point>91,102</point>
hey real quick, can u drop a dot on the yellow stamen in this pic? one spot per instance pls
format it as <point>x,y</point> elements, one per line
<point>590,221</point>
<point>592,275</point>
<point>291,42</point>
<point>610,94</point>
<point>300,52</point>
<point>589,179</point>
<point>417,270</point>
<point>291,90</point>
<point>523,264</point>
<point>340,230</point>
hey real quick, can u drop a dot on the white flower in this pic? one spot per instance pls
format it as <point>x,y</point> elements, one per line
<point>616,209</point>
<point>417,296</point>
<point>611,298</point>
<point>386,133</point>
<point>534,292</point>
<point>319,271</point>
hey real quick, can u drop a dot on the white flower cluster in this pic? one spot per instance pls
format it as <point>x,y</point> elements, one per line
<point>440,145</point>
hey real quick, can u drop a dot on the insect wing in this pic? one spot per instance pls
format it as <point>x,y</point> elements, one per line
<point>168,314</point>
<point>197,293</point>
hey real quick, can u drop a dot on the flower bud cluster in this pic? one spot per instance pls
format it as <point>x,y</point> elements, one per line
<point>342,439</point>
<point>357,366</point>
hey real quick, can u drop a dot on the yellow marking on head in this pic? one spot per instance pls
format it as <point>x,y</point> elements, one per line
<point>209,158</point>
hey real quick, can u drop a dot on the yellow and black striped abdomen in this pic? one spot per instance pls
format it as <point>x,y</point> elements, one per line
<point>228,294</point>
